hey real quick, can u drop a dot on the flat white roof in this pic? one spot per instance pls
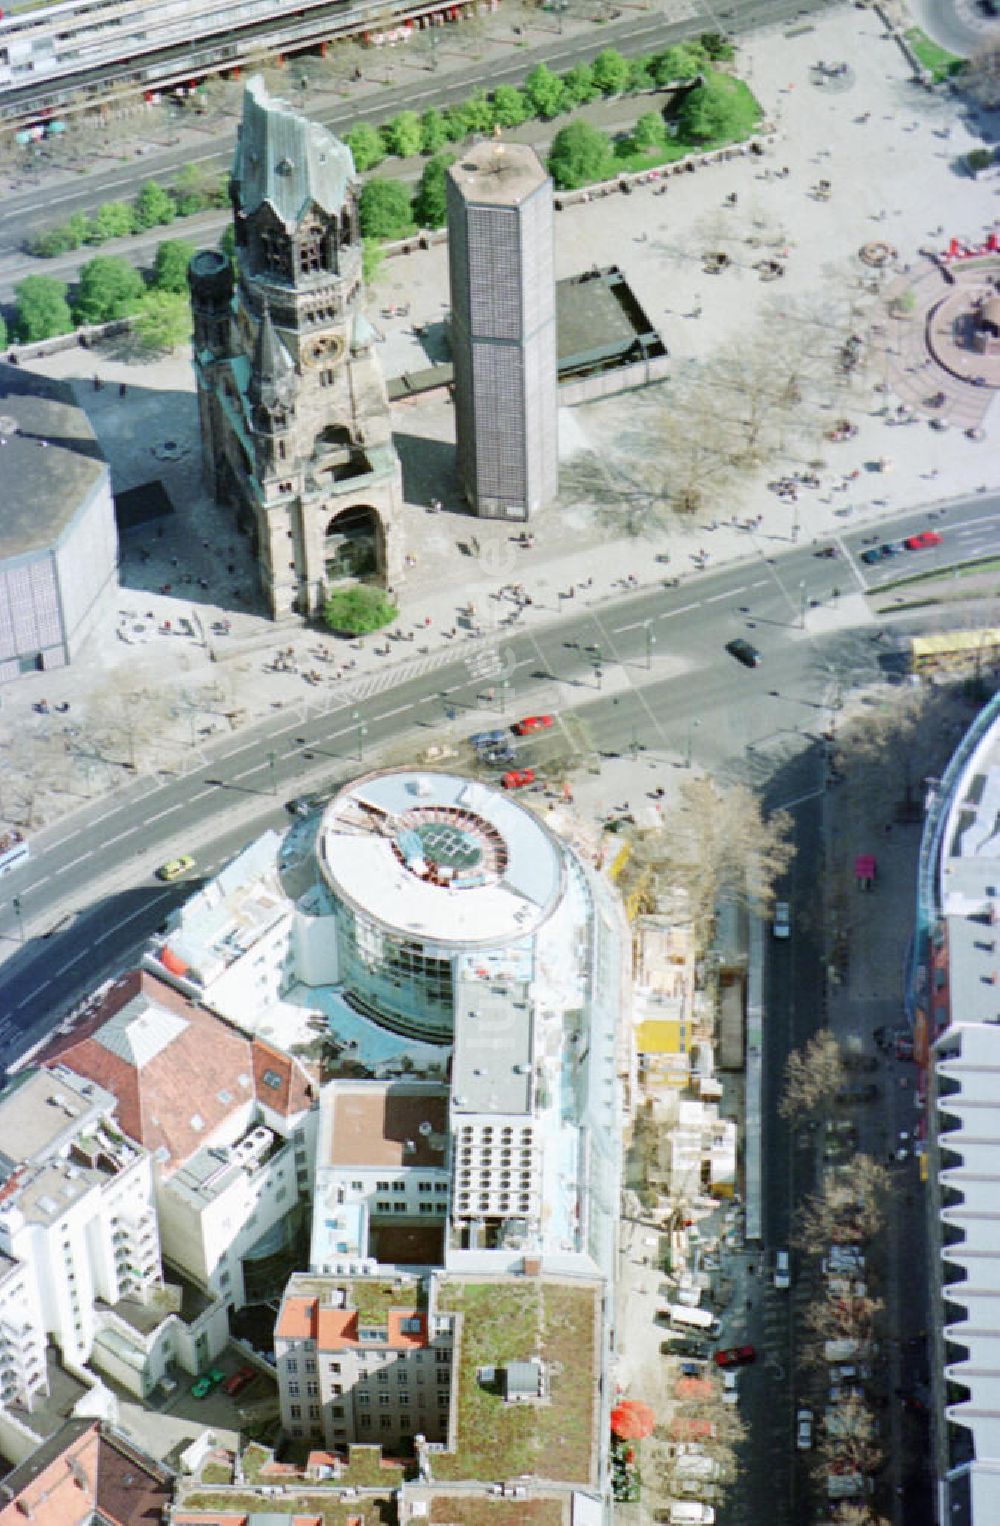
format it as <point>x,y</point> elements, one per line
<point>440,858</point>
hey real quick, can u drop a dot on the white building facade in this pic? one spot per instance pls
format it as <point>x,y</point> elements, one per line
<point>76,1206</point>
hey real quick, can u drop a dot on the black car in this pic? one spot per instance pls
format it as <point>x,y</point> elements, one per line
<point>861,1092</point>
<point>744,652</point>
<point>304,805</point>
<point>860,1062</point>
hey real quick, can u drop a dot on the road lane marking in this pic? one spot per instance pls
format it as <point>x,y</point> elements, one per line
<point>668,614</point>
<point>82,859</point>
<point>32,994</point>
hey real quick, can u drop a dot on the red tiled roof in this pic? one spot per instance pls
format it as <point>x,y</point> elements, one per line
<point>303,1318</point>
<point>295,1091</point>
<point>129,1492</point>
<point>335,1328</point>
<point>196,1075</point>
<point>296,1319</point>
<point>63,1491</point>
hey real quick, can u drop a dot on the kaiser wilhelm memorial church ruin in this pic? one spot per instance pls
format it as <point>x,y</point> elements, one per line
<point>294,414</point>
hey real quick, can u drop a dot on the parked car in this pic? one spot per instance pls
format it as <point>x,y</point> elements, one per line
<point>872,555</point>
<point>730,1387</point>
<point>241,1378</point>
<point>744,652</point>
<point>781,924</point>
<point>175,867</point>
<point>694,1368</point>
<point>923,541</point>
<point>782,1271</point>
<point>804,1430</point>
<point>203,1386</point>
<point>860,1062</point>
<point>860,1092</point>
<point>735,1356</point>
<point>480,739</point>
<point>529,723</point>
<point>517,778</point>
<point>684,1346</point>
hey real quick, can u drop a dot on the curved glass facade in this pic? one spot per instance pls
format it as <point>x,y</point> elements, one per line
<point>397,980</point>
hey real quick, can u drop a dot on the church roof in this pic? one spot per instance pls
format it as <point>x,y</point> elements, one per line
<point>287,161</point>
<point>272,376</point>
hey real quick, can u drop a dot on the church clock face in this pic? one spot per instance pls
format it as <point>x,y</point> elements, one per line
<point>325,350</point>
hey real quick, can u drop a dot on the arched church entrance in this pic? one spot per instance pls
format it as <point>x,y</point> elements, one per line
<point>353,546</point>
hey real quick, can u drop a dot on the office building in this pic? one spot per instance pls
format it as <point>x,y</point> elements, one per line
<point>503,329</point>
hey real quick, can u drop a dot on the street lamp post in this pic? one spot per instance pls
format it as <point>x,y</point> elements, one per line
<point>691,731</point>
<point>802,605</point>
<point>16,903</point>
<point>272,759</point>
<point>650,642</point>
<point>598,662</point>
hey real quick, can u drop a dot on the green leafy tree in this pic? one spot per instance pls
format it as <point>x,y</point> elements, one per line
<point>979,159</point>
<point>372,258</point>
<point>430,204</point>
<point>163,321</point>
<point>366,147</point>
<point>478,110</point>
<point>170,266</point>
<point>191,194</point>
<point>683,61</point>
<point>384,210</point>
<point>717,46</point>
<point>404,135</point>
<point>578,83</point>
<point>60,239</point>
<point>113,219</point>
<point>718,110</point>
<point>456,123</point>
<point>510,108</point>
<point>649,132</point>
<point>610,72</point>
<point>41,309</point>
<point>108,287</point>
<point>545,92</point>
<point>154,206</point>
<point>640,75</point>
<point>358,610</point>
<point>434,134</point>
<point>580,154</point>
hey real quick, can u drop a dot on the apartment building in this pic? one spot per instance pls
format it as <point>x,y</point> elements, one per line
<point>76,1212</point>
<point>365,1361</point>
<point>231,1148</point>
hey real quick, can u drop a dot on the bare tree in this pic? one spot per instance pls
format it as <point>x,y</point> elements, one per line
<point>813,1076</point>
<point>720,846</point>
<point>850,1207</point>
<point>886,736</point>
<point>981,75</point>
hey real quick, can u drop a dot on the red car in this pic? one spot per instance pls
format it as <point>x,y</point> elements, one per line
<point>923,541</point>
<point>241,1378</point>
<point>517,778</point>
<point>532,723</point>
<point>735,1356</point>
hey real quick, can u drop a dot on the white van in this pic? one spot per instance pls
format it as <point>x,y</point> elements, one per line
<point>691,1319</point>
<point>691,1513</point>
<point>782,1270</point>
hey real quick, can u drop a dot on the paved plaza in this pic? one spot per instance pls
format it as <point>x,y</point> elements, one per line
<point>889,152</point>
